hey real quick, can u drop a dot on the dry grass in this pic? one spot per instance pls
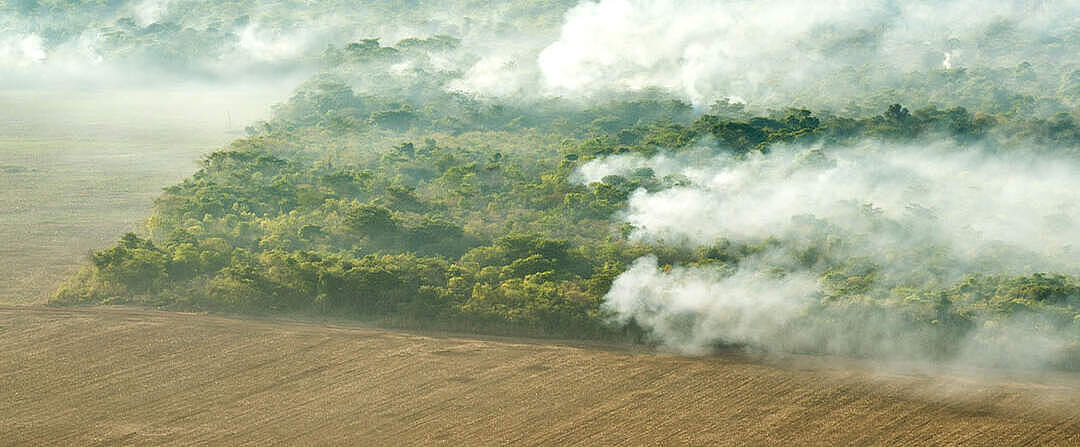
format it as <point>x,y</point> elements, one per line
<point>104,376</point>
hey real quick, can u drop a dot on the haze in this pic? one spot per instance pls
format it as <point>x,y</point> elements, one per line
<point>744,191</point>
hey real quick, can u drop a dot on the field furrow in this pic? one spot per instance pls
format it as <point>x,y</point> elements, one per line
<point>115,376</point>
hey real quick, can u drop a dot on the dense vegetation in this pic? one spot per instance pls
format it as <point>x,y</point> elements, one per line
<point>433,207</point>
<point>434,180</point>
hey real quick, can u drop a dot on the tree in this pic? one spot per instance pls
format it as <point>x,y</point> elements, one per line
<point>373,220</point>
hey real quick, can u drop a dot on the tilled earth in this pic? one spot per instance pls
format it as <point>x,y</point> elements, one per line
<point>119,376</point>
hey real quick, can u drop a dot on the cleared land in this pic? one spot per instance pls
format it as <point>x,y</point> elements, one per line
<point>80,168</point>
<point>106,376</point>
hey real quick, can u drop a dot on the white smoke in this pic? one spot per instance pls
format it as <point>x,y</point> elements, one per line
<point>662,164</point>
<point>270,46</point>
<point>22,51</point>
<point>691,308</point>
<point>148,12</point>
<point>771,52</point>
<point>969,201</point>
<point>765,50</point>
<point>922,213</point>
<point>495,75</point>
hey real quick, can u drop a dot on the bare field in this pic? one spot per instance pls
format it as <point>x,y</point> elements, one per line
<point>108,376</point>
<point>80,168</point>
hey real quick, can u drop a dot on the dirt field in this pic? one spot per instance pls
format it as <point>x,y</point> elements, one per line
<point>80,168</point>
<point>120,376</point>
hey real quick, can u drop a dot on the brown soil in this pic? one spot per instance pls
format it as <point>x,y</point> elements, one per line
<point>107,376</point>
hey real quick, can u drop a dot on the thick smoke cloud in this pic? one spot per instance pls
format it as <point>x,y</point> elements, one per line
<point>21,51</point>
<point>779,51</point>
<point>921,214</point>
<point>692,308</point>
<point>148,12</point>
<point>771,53</point>
<point>961,198</point>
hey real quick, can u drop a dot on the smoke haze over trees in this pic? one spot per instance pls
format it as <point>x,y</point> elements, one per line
<point>1003,56</point>
<point>885,179</point>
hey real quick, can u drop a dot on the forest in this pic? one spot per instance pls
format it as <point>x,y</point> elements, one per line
<point>928,214</point>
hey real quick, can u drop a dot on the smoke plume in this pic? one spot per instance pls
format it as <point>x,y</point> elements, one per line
<point>911,216</point>
<point>784,51</point>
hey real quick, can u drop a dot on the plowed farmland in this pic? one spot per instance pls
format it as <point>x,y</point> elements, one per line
<point>107,376</point>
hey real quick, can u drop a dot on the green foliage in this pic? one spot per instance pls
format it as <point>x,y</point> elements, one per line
<point>437,207</point>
